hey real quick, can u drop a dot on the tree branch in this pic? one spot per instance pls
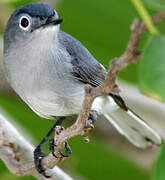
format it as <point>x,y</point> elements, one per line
<point>17,153</point>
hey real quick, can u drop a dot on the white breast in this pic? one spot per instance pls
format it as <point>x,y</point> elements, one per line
<point>41,76</point>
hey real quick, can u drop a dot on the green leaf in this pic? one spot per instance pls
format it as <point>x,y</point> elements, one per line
<point>152,68</point>
<point>155,4</point>
<point>159,168</point>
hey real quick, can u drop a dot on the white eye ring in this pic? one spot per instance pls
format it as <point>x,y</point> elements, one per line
<point>24,23</point>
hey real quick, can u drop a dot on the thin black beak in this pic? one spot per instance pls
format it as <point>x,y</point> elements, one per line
<point>51,22</point>
<point>57,21</point>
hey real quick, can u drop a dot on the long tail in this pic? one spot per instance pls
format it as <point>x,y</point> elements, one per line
<point>135,129</point>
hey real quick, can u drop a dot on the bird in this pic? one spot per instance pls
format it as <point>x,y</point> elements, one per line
<point>48,69</point>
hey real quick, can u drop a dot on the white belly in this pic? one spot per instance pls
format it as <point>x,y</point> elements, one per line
<point>49,104</point>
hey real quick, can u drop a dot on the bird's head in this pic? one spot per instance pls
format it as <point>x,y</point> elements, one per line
<point>31,21</point>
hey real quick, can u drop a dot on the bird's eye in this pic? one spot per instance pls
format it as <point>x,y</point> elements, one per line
<point>24,23</point>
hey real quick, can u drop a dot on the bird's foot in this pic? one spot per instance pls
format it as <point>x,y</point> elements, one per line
<point>92,118</point>
<point>38,156</point>
<point>52,146</point>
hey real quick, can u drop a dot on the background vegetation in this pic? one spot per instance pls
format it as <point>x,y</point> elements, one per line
<point>103,27</point>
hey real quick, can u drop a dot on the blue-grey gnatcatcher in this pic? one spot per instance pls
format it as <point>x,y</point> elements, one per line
<point>48,69</point>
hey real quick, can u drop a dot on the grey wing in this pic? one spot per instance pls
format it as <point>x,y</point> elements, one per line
<point>85,67</point>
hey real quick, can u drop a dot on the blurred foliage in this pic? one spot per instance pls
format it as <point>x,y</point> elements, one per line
<point>151,71</point>
<point>17,3</point>
<point>8,1</point>
<point>145,16</point>
<point>152,65</point>
<point>103,27</point>
<point>155,4</point>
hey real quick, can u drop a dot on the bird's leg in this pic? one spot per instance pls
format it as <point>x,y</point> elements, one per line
<point>38,154</point>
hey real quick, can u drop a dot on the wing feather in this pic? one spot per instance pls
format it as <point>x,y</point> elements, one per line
<point>85,67</point>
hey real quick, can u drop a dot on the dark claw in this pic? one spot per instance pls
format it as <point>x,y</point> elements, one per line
<point>92,117</point>
<point>38,156</point>
<point>52,149</point>
<point>44,174</point>
<point>68,150</point>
